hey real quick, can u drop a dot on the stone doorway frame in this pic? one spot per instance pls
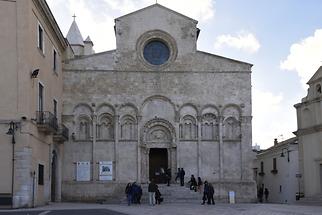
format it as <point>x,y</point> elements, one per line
<point>148,143</point>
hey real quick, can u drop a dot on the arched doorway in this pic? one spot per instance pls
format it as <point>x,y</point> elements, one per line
<point>158,164</point>
<point>159,150</point>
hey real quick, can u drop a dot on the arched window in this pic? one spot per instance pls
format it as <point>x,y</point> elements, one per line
<point>105,127</point>
<point>84,128</point>
<point>209,127</point>
<point>188,128</point>
<point>231,128</point>
<point>128,128</point>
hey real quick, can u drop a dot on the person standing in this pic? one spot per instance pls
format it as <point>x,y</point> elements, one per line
<point>128,192</point>
<point>205,192</point>
<point>152,188</point>
<point>210,194</point>
<point>182,174</point>
<point>266,193</point>
<point>193,183</point>
<point>199,184</point>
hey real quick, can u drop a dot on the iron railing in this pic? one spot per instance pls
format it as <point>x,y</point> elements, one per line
<point>46,119</point>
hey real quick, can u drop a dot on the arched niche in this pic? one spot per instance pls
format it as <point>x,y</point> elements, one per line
<point>188,128</point>
<point>128,128</point>
<point>105,127</point>
<point>158,106</point>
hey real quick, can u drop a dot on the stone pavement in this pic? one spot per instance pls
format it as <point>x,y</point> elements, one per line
<point>186,209</point>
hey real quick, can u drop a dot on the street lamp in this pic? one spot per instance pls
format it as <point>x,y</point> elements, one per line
<point>288,154</point>
<point>11,131</point>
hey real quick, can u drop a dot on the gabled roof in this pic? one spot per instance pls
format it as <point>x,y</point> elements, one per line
<point>74,36</point>
<point>158,6</point>
<point>317,75</point>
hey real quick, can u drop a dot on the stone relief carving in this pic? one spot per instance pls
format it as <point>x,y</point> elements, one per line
<point>209,127</point>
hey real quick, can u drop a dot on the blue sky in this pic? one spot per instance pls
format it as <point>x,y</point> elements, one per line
<point>282,38</point>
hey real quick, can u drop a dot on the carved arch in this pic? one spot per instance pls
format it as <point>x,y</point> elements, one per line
<point>83,127</point>
<point>233,107</point>
<point>79,105</point>
<point>128,104</point>
<point>210,106</point>
<point>209,126</point>
<point>194,107</point>
<point>100,108</point>
<point>161,123</point>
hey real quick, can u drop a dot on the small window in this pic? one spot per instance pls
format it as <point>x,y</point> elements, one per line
<point>55,60</point>
<point>274,164</point>
<point>55,108</point>
<point>41,38</point>
<point>318,89</point>
<point>40,174</point>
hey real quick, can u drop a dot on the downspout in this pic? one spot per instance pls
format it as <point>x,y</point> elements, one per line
<point>12,171</point>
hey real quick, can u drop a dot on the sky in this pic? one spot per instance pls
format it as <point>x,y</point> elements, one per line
<point>282,38</point>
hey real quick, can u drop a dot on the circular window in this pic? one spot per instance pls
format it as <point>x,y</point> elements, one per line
<point>156,52</point>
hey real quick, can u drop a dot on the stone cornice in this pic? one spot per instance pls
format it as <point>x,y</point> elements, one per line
<point>141,71</point>
<point>308,102</point>
<point>310,130</point>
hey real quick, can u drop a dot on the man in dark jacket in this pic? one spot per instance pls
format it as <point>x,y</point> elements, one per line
<point>210,194</point>
<point>182,174</point>
<point>152,189</point>
<point>205,192</point>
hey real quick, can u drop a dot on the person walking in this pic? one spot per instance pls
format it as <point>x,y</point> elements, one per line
<point>260,195</point>
<point>168,176</point>
<point>199,184</point>
<point>128,192</point>
<point>205,192</point>
<point>266,193</point>
<point>182,174</point>
<point>152,188</point>
<point>178,175</point>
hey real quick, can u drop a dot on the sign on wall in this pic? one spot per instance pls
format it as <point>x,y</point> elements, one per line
<point>105,170</point>
<point>83,171</point>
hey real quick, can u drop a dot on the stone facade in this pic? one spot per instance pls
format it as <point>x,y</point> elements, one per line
<point>192,110</point>
<point>31,42</point>
<point>309,133</point>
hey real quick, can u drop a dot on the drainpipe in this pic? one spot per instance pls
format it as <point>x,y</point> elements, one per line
<point>12,170</point>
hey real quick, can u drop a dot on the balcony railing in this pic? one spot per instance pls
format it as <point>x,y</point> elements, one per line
<point>46,121</point>
<point>62,134</point>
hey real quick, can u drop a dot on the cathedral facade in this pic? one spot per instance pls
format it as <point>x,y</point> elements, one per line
<point>154,103</point>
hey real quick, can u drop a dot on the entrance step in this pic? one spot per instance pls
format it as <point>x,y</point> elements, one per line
<point>172,194</point>
<point>315,200</point>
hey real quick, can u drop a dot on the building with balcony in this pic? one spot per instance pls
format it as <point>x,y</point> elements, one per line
<point>31,129</point>
<point>277,170</point>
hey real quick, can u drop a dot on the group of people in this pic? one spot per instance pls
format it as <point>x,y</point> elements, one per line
<point>261,192</point>
<point>133,193</point>
<point>180,174</point>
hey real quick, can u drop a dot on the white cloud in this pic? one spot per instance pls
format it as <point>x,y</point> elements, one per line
<point>244,41</point>
<point>305,57</point>
<point>271,118</point>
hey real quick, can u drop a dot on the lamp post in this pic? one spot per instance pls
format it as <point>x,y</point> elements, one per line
<point>11,131</point>
<point>288,154</point>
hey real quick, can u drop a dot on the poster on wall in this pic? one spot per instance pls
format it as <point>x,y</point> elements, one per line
<point>83,171</point>
<point>105,170</point>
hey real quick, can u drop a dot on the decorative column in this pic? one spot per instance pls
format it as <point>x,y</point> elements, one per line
<point>199,119</point>
<point>116,141</point>
<point>138,123</point>
<point>221,147</point>
<point>94,169</point>
<point>176,139</point>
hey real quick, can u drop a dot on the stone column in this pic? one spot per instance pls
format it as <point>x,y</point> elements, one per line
<point>138,136</point>
<point>199,119</point>
<point>94,169</point>
<point>221,148</point>
<point>176,139</point>
<point>116,141</point>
